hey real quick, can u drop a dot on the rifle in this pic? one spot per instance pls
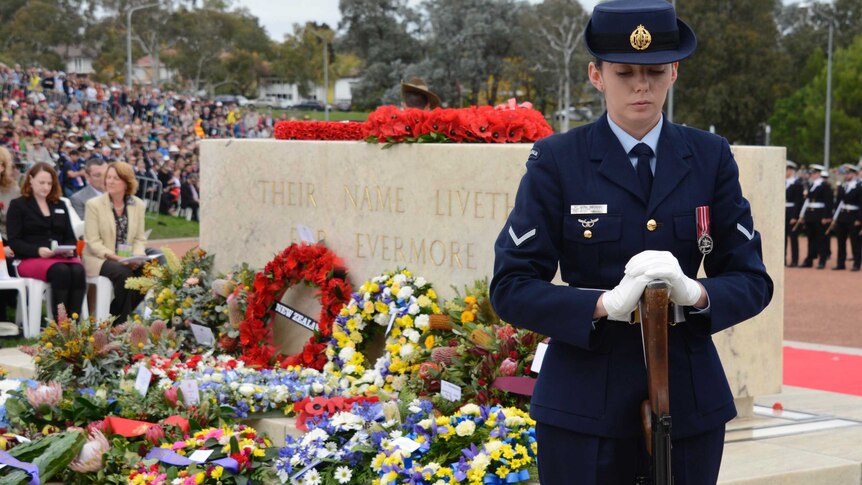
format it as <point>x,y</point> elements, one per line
<point>835,217</point>
<point>801,218</point>
<point>655,411</point>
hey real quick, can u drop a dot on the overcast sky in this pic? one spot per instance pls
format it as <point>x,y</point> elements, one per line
<point>278,17</point>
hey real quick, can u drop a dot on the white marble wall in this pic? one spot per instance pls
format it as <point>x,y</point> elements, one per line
<point>435,209</point>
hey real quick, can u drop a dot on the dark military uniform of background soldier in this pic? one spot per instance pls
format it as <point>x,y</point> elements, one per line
<point>794,196</point>
<point>817,214</point>
<point>845,224</point>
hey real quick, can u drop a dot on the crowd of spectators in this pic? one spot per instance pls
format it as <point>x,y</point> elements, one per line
<point>47,116</point>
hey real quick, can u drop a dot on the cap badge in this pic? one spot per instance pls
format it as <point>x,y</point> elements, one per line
<point>640,38</point>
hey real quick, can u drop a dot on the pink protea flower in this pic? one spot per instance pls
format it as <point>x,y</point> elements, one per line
<point>155,434</point>
<point>171,396</point>
<point>62,315</point>
<point>192,281</point>
<point>444,355</point>
<point>90,457</point>
<point>138,336</point>
<point>100,341</point>
<point>97,426</point>
<point>157,328</point>
<point>49,394</point>
<point>508,367</point>
<point>505,332</point>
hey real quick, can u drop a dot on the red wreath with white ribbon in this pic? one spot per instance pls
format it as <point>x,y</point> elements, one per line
<point>315,265</point>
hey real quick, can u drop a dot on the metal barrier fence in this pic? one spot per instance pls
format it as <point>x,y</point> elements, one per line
<point>150,191</point>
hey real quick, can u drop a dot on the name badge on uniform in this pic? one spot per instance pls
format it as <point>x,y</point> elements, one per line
<point>589,209</point>
<point>704,240</point>
<point>59,211</point>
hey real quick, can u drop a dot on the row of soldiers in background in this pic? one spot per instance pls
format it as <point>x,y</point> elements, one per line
<point>812,206</point>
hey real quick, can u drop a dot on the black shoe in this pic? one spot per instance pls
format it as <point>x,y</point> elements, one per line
<point>792,265</point>
<point>821,266</point>
<point>838,268</point>
<point>805,265</point>
<point>855,268</point>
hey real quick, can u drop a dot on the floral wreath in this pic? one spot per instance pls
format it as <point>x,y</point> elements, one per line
<point>315,265</point>
<point>396,301</point>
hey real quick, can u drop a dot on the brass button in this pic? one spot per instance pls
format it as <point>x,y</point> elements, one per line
<point>588,234</point>
<point>651,225</point>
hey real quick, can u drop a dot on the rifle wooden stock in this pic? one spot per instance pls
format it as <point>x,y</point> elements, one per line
<point>655,412</point>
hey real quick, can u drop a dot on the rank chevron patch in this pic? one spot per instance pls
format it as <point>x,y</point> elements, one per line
<point>520,240</point>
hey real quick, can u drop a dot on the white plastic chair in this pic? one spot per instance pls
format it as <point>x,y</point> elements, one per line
<point>77,222</point>
<point>104,295</point>
<point>39,291</point>
<point>19,284</point>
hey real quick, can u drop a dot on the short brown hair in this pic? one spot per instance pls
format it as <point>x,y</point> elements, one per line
<point>126,174</point>
<point>56,191</point>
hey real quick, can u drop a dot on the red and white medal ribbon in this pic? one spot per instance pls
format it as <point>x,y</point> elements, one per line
<point>704,240</point>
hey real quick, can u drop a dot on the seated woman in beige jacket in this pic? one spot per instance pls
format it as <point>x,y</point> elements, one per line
<point>114,223</point>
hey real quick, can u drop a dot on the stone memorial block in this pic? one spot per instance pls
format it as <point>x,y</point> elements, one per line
<point>436,210</point>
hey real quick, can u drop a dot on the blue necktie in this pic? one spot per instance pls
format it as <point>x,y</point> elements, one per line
<point>644,154</point>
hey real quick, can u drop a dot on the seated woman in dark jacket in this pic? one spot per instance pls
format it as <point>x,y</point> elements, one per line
<point>35,220</point>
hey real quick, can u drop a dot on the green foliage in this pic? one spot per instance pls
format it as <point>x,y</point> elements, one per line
<point>799,120</point>
<point>737,73</point>
<point>52,454</point>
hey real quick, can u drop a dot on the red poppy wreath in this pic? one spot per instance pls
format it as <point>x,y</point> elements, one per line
<point>314,265</point>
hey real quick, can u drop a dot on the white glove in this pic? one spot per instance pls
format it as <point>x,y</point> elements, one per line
<point>663,265</point>
<point>621,301</point>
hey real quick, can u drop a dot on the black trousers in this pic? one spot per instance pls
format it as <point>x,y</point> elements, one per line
<point>570,458</point>
<point>124,300</point>
<point>818,243</point>
<point>844,231</point>
<point>793,237</point>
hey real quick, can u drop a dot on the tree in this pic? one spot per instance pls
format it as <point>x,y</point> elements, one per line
<point>37,27</point>
<point>299,59</point>
<point>381,33</point>
<point>799,120</point>
<point>738,71</point>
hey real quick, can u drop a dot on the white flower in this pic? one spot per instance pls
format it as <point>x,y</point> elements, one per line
<point>465,428</point>
<point>343,474</point>
<point>246,390</point>
<point>313,435</point>
<point>367,296</point>
<point>425,423</point>
<point>406,350</point>
<point>413,309</point>
<point>480,462</point>
<point>419,282</point>
<point>312,477</point>
<point>7,386</point>
<point>346,353</point>
<point>346,421</point>
<point>329,352</point>
<point>470,409</point>
<point>400,278</point>
<point>412,335</point>
<point>514,421</point>
<point>349,369</point>
<point>218,377</point>
<point>421,322</point>
<point>381,319</point>
<point>329,367</point>
<point>492,446</point>
<point>387,291</point>
<point>317,388</point>
<point>399,382</point>
<point>405,293</point>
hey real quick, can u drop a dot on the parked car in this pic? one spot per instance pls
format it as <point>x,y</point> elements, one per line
<point>269,102</point>
<point>309,105</point>
<point>581,113</point>
<point>342,105</point>
<point>236,99</point>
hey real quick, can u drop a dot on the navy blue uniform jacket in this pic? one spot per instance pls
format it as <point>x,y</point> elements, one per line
<point>593,381</point>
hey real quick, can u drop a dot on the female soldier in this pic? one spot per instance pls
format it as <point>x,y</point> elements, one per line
<point>617,203</point>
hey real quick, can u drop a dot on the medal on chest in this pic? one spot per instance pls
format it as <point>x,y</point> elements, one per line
<point>704,240</point>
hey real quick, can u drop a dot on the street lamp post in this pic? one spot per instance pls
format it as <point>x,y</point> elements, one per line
<point>129,41</point>
<point>325,74</point>
<point>827,135</point>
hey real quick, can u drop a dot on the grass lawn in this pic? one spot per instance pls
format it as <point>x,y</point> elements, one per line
<point>6,342</point>
<point>170,227</point>
<point>334,115</point>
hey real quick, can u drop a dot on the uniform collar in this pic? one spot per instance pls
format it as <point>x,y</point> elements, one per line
<point>628,142</point>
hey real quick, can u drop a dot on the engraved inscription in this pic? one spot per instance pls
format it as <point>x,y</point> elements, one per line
<point>475,204</point>
<point>437,252</point>
<point>286,193</point>
<point>374,199</point>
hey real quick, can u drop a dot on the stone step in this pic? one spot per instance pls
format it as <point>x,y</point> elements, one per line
<point>17,363</point>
